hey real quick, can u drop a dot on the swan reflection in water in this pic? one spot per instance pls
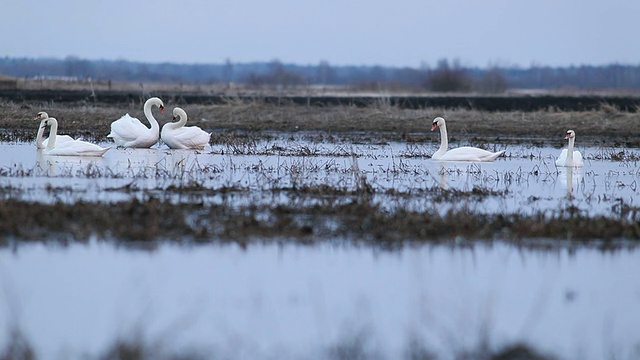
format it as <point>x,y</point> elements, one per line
<point>453,169</point>
<point>45,163</point>
<point>443,172</point>
<point>569,177</point>
<point>52,165</point>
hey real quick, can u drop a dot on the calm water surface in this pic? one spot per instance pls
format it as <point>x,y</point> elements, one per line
<point>300,301</point>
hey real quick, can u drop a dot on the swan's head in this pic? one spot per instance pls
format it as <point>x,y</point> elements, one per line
<point>157,102</point>
<point>178,113</point>
<point>48,122</point>
<point>570,135</point>
<point>437,122</point>
<point>42,115</point>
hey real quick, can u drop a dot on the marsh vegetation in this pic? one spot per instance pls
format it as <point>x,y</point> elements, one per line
<point>326,171</point>
<point>284,175</point>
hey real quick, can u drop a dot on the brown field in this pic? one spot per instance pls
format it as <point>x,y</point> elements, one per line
<point>606,125</point>
<point>379,122</point>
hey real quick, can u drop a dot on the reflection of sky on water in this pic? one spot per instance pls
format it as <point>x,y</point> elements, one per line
<point>276,300</point>
<point>526,182</point>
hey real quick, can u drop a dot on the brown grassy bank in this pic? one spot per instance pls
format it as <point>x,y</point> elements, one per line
<point>604,126</point>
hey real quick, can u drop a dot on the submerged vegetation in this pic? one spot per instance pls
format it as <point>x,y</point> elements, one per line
<point>338,213</point>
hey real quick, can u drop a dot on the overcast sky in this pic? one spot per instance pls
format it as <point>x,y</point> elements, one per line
<point>342,32</point>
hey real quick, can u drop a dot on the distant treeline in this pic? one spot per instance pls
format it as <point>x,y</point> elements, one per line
<point>446,76</point>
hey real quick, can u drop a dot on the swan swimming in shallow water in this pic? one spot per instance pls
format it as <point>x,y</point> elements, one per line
<point>568,157</point>
<point>68,148</point>
<point>463,153</point>
<point>130,132</point>
<point>42,144</point>
<point>178,136</point>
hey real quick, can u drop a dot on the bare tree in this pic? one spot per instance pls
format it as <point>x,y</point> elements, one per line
<point>449,78</point>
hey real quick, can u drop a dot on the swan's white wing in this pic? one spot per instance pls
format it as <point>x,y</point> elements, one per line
<point>562,159</point>
<point>191,137</point>
<point>127,129</point>
<point>491,156</point>
<point>468,153</point>
<point>59,140</point>
<point>577,159</point>
<point>77,148</point>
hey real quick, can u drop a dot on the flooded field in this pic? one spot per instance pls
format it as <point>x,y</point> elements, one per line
<point>325,233</point>
<point>333,298</point>
<point>396,175</point>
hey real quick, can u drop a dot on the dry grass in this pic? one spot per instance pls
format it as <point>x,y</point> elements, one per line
<point>390,122</point>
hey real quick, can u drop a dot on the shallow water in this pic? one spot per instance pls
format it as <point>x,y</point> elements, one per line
<point>295,301</point>
<point>526,181</point>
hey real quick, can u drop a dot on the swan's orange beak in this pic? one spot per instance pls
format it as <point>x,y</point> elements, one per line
<point>161,109</point>
<point>434,126</point>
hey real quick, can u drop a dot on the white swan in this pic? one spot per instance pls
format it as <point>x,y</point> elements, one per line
<point>178,136</point>
<point>42,144</point>
<point>463,153</point>
<point>568,157</point>
<point>68,148</point>
<point>130,132</point>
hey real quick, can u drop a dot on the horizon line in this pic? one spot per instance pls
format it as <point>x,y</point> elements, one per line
<point>424,65</point>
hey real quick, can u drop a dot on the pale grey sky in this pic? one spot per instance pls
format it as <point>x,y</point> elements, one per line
<point>342,32</point>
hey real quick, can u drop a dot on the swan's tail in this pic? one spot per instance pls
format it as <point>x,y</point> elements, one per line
<point>495,155</point>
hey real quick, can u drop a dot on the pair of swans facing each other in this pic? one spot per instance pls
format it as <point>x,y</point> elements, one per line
<point>63,145</point>
<point>130,132</point>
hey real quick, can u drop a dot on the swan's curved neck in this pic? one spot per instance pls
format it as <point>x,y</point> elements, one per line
<point>572,141</point>
<point>39,143</point>
<point>182,120</point>
<point>444,142</point>
<point>149,115</point>
<point>52,133</point>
